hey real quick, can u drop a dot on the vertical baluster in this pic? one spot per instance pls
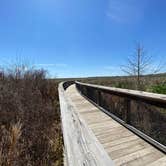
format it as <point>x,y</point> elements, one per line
<point>128,110</point>
<point>99,98</point>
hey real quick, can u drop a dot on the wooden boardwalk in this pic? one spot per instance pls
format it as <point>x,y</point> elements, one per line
<point>123,146</point>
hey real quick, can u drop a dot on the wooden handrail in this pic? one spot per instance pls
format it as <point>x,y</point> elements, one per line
<point>161,98</point>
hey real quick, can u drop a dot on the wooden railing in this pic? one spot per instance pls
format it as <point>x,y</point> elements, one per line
<point>141,112</point>
<point>81,147</point>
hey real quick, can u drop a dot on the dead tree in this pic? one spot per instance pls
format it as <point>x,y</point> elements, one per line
<point>140,64</point>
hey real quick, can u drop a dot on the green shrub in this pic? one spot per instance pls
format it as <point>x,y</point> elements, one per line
<point>161,88</point>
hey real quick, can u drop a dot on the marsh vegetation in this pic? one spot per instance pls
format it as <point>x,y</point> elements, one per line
<point>30,127</point>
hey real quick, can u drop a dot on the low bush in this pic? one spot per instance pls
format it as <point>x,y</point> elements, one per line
<point>160,88</point>
<point>30,127</point>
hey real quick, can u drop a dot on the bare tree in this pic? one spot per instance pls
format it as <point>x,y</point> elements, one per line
<point>140,64</point>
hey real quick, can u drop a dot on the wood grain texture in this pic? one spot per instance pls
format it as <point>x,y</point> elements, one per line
<point>159,162</point>
<point>122,145</point>
<point>81,146</point>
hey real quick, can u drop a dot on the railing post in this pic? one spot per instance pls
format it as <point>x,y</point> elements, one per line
<point>128,111</point>
<point>99,97</point>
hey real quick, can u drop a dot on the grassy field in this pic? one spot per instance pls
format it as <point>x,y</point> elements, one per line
<point>30,127</point>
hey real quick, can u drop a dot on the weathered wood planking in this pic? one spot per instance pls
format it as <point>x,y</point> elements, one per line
<point>81,148</point>
<point>122,145</point>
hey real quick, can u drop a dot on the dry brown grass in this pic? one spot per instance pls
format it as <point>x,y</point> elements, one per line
<point>30,127</point>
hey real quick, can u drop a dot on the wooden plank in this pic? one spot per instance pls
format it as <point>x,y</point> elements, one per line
<point>128,150</point>
<point>119,141</point>
<point>105,124</point>
<point>111,133</point>
<point>116,136</point>
<point>94,114</point>
<point>133,156</point>
<point>85,111</point>
<point>89,118</point>
<point>144,160</point>
<point>101,123</point>
<point>81,146</point>
<point>159,162</point>
<point>125,145</point>
<point>91,122</point>
<point>106,128</point>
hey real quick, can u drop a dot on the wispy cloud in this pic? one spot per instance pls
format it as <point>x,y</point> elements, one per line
<point>51,65</point>
<point>45,64</point>
<point>61,65</point>
<point>125,11</point>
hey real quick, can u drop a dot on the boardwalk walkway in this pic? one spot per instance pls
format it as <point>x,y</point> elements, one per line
<point>123,146</point>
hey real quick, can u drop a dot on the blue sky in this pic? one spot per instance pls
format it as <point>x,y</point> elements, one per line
<point>76,38</point>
